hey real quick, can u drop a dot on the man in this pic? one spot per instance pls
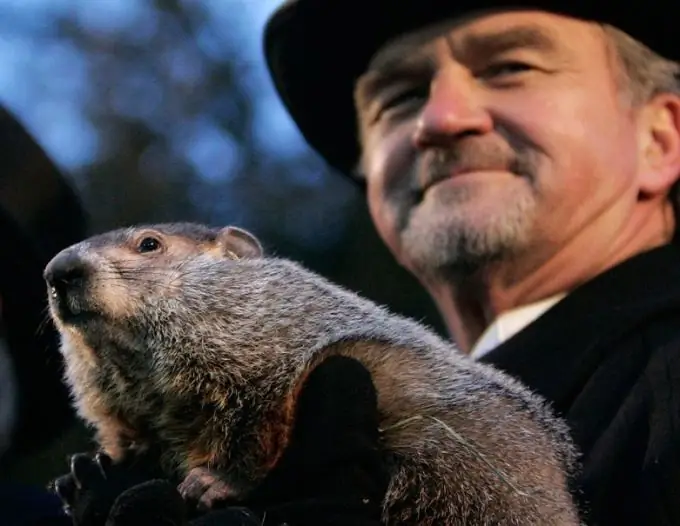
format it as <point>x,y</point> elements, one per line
<point>39,215</point>
<point>523,164</point>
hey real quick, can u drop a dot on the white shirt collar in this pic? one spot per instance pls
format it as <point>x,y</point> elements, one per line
<point>510,323</point>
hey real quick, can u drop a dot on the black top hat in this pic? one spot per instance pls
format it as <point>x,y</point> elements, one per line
<point>316,49</point>
<point>39,214</point>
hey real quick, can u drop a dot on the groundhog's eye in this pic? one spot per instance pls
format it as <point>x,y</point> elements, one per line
<point>148,244</point>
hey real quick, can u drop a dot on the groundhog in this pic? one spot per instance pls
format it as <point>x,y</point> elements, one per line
<point>193,339</point>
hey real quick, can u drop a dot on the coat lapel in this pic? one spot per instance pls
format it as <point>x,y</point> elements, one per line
<point>556,354</point>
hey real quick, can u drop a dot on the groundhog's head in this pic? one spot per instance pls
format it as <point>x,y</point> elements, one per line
<point>107,276</point>
<point>105,293</point>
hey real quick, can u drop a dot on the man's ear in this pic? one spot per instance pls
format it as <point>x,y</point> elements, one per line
<point>660,144</point>
<point>238,243</point>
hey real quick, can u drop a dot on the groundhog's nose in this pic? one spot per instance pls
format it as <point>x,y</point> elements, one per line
<point>65,271</point>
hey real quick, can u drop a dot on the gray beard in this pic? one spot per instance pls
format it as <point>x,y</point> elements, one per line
<point>448,242</point>
<point>8,397</point>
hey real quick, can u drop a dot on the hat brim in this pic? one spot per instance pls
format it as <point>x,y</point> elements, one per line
<point>315,51</point>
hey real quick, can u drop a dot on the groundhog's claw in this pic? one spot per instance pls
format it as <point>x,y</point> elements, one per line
<point>205,487</point>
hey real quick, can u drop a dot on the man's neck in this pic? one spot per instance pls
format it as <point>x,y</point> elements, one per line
<point>470,304</point>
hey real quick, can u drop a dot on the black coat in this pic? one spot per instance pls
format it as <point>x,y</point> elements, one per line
<point>608,357</point>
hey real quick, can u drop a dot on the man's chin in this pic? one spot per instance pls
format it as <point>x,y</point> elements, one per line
<point>454,248</point>
<point>462,235</point>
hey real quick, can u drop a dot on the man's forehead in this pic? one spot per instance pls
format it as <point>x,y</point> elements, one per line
<point>477,32</point>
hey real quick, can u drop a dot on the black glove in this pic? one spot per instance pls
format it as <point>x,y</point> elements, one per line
<point>94,483</point>
<point>331,474</point>
<point>98,492</point>
<point>158,503</point>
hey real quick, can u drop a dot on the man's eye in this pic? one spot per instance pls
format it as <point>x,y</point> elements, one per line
<point>506,68</point>
<point>402,100</point>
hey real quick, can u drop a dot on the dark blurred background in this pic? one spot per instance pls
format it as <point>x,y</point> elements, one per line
<point>162,110</point>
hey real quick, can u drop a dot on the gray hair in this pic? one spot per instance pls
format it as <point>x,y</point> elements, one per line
<point>644,74</point>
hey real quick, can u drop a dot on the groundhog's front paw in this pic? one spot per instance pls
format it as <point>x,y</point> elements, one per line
<point>204,488</point>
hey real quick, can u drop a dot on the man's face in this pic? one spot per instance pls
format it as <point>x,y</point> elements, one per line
<point>492,137</point>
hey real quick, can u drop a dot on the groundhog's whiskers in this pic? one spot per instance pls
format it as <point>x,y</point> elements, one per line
<point>45,319</point>
<point>180,272</point>
<point>146,276</point>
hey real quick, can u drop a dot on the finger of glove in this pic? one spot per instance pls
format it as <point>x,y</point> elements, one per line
<point>104,462</point>
<point>85,470</point>
<point>65,488</point>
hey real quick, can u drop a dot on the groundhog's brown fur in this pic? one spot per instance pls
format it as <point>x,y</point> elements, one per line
<point>192,338</point>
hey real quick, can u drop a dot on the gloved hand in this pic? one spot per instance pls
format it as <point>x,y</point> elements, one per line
<point>331,474</point>
<point>97,492</point>
<point>158,503</point>
<point>93,484</point>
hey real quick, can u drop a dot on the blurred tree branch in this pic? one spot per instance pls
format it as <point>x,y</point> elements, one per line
<point>187,126</point>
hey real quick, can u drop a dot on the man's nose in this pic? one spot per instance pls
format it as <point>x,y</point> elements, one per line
<point>454,108</point>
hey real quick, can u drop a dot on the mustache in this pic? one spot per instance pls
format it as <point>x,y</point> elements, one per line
<point>471,155</point>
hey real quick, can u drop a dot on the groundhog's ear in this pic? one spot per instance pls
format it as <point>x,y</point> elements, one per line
<point>234,241</point>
